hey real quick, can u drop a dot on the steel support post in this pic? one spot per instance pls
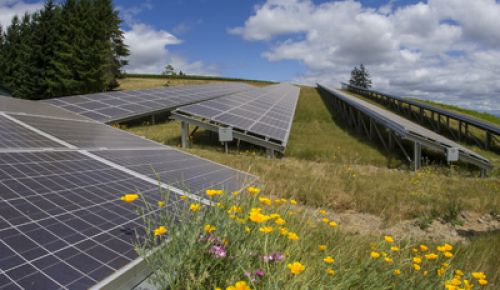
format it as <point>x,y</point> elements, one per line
<point>226,147</point>
<point>390,139</point>
<point>270,153</point>
<point>184,134</point>
<point>459,130</point>
<point>417,156</point>
<point>487,141</point>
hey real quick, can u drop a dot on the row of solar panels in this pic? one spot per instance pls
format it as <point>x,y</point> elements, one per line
<point>116,106</point>
<point>407,129</point>
<point>489,127</point>
<point>262,115</point>
<point>62,225</point>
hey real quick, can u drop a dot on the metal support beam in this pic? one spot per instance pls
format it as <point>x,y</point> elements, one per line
<point>270,153</point>
<point>184,134</point>
<point>417,156</point>
<point>487,142</point>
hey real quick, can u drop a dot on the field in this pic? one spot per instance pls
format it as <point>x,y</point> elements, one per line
<point>368,190</point>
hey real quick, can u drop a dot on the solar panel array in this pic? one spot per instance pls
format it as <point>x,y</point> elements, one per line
<point>407,129</point>
<point>121,105</point>
<point>461,117</point>
<point>62,225</point>
<point>266,112</point>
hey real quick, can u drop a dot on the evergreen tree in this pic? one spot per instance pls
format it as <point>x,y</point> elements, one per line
<point>73,48</point>
<point>360,77</point>
<point>169,70</point>
<point>2,51</point>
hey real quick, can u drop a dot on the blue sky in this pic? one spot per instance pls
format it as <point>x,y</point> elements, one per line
<point>441,50</point>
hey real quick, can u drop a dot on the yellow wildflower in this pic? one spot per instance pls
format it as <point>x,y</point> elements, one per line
<point>424,248</point>
<point>459,272</point>
<point>375,255</point>
<point>333,224</point>
<point>293,236</point>
<point>416,267</point>
<point>389,239</point>
<point>234,209</point>
<point>213,192</point>
<point>478,275</point>
<point>296,268</point>
<point>322,212</point>
<point>482,282</point>
<point>241,285</point>
<point>394,249</point>
<point>183,197</point>
<point>388,260</point>
<point>417,260</point>
<point>280,221</point>
<point>293,201</point>
<point>209,228</point>
<point>161,203</point>
<point>235,193</point>
<point>329,260</point>
<point>431,256</point>
<point>325,220</point>
<point>448,247</point>
<point>397,272</point>
<point>128,198</point>
<point>253,190</point>
<point>440,272</point>
<point>265,200</point>
<point>330,271</point>
<point>448,254</point>
<point>247,229</point>
<point>274,216</point>
<point>441,249</point>
<point>266,230</point>
<point>283,231</point>
<point>161,230</point>
<point>322,247</point>
<point>258,217</point>
<point>194,207</point>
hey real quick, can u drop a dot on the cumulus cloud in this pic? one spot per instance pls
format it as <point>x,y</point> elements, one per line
<point>445,50</point>
<point>10,8</point>
<point>149,52</point>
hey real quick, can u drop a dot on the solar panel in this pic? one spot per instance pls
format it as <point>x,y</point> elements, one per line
<point>116,106</point>
<point>178,169</point>
<point>407,129</point>
<point>62,225</point>
<point>14,135</point>
<point>87,134</point>
<point>266,112</point>
<point>12,105</point>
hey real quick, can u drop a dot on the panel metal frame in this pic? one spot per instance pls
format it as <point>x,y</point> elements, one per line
<point>345,105</point>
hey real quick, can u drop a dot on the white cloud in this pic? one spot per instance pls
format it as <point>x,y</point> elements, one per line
<point>10,8</point>
<point>148,46</point>
<point>149,52</point>
<point>447,50</point>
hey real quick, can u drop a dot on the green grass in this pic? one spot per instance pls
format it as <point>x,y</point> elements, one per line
<point>328,166</point>
<point>479,115</point>
<point>186,260</point>
<point>196,78</point>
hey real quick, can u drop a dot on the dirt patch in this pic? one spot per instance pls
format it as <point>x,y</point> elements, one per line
<point>472,224</point>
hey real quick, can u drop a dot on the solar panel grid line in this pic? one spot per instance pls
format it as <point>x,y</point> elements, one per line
<point>177,95</point>
<point>146,178</point>
<point>33,129</point>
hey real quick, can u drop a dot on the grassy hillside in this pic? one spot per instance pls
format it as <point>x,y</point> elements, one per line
<point>479,115</point>
<point>328,166</point>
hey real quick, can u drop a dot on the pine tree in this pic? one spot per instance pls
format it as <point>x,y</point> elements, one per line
<point>2,58</point>
<point>23,84</point>
<point>11,45</point>
<point>360,77</point>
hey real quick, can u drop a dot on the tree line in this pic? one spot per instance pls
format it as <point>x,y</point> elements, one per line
<point>76,47</point>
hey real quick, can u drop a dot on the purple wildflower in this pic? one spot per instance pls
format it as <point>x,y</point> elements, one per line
<point>218,251</point>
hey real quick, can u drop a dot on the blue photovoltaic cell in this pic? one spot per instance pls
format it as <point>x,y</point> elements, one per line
<point>267,111</point>
<point>115,106</point>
